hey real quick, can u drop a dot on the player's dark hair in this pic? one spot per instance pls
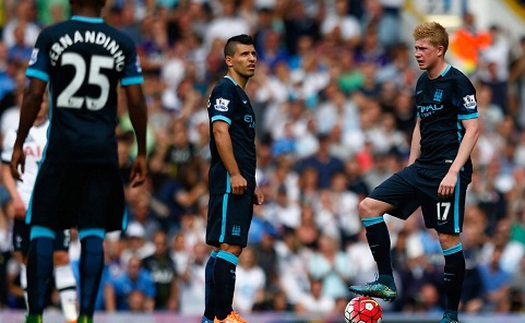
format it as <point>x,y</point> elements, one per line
<point>90,3</point>
<point>229,48</point>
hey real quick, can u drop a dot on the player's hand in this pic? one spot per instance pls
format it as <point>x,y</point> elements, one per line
<point>18,159</point>
<point>259,197</point>
<point>238,184</point>
<point>139,171</point>
<point>19,209</point>
<point>447,185</point>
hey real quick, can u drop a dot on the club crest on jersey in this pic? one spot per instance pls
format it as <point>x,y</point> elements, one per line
<point>438,95</point>
<point>221,104</point>
<point>236,230</point>
<point>469,101</point>
<point>34,55</point>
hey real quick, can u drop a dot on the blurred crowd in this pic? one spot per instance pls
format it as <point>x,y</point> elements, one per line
<point>333,94</point>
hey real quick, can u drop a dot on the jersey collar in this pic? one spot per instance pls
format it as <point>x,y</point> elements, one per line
<point>91,20</point>
<point>231,79</point>
<point>446,70</point>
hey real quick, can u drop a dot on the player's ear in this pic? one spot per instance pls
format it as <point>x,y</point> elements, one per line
<point>441,50</point>
<point>228,60</point>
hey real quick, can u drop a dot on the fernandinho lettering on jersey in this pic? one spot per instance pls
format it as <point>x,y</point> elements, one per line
<point>92,37</point>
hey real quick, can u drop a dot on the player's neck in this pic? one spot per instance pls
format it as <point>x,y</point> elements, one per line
<point>87,12</point>
<point>240,80</point>
<point>437,70</point>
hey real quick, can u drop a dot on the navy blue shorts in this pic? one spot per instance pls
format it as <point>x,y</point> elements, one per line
<point>229,219</point>
<point>82,196</point>
<point>413,187</point>
<point>21,237</point>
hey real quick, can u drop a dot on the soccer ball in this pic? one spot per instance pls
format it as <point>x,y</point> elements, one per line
<point>363,309</point>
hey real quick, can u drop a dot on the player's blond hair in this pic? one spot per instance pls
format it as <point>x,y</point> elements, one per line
<point>434,32</point>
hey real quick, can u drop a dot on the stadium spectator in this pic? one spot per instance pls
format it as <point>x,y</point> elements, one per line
<point>341,24</point>
<point>226,24</point>
<point>163,273</point>
<point>330,265</point>
<point>316,302</point>
<point>251,280</point>
<point>323,162</point>
<point>25,16</point>
<point>267,258</point>
<point>137,244</point>
<point>140,212</point>
<point>133,290</point>
<point>467,41</point>
<point>496,282</point>
<point>192,280</point>
<point>20,52</point>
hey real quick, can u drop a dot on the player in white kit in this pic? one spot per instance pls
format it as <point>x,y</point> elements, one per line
<point>21,192</point>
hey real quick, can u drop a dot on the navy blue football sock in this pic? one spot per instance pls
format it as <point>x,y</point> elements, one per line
<point>39,270</point>
<point>209,309</point>
<point>91,266</point>
<point>453,277</point>
<point>224,276</point>
<point>379,242</point>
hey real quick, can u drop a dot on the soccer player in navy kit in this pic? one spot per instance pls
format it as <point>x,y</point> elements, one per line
<point>232,184</point>
<point>438,172</point>
<point>78,182</point>
<point>20,192</point>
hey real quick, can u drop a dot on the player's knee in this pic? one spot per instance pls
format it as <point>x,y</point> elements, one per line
<point>19,257</point>
<point>60,258</point>
<point>233,249</point>
<point>448,240</point>
<point>367,208</point>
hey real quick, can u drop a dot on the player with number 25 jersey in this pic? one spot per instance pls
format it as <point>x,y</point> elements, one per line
<point>78,183</point>
<point>84,59</point>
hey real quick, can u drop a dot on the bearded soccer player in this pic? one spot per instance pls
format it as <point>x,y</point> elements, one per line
<point>231,178</point>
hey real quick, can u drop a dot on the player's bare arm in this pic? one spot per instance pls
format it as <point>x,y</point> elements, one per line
<point>30,106</point>
<point>10,185</point>
<point>446,188</point>
<point>138,116</point>
<point>415,147</point>
<point>225,149</point>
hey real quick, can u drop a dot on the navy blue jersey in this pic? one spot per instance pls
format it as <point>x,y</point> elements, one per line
<point>228,102</point>
<point>83,60</point>
<point>442,103</point>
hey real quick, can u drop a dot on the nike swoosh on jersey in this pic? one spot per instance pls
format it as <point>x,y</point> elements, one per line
<point>418,92</point>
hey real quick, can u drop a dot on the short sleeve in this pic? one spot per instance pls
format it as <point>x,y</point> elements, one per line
<point>221,104</point>
<point>132,73</point>
<point>468,107</point>
<point>38,65</point>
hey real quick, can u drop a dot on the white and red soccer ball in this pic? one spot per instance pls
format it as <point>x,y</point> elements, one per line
<point>363,309</point>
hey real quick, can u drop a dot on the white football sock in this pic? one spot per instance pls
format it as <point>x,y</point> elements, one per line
<point>66,284</point>
<point>23,283</point>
